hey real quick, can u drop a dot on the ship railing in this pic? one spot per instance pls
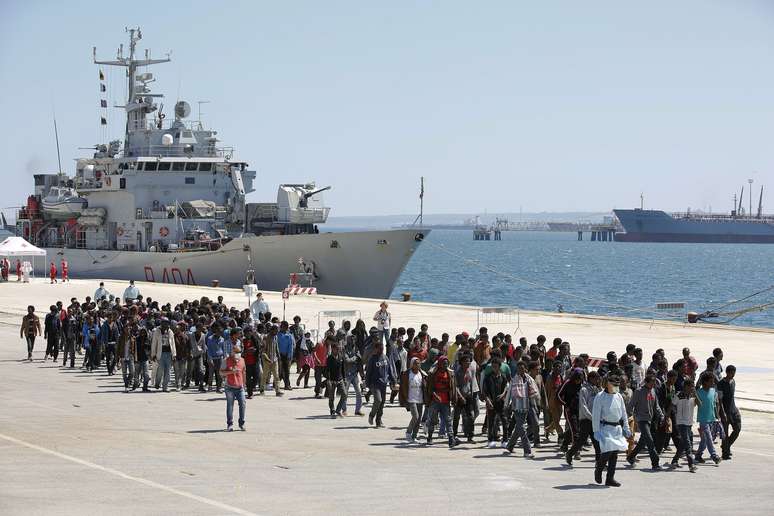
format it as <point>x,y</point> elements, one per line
<point>181,151</point>
<point>719,217</point>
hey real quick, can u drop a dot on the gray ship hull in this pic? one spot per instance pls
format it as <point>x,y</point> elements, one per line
<point>659,226</point>
<point>358,264</point>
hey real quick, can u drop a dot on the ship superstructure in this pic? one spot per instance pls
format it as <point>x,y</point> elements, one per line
<point>168,203</point>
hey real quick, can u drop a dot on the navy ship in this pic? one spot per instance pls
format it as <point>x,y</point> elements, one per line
<point>167,203</point>
<point>738,227</point>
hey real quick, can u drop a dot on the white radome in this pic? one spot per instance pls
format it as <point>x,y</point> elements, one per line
<point>167,140</point>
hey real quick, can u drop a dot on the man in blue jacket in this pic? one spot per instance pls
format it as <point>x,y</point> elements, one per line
<point>215,354</point>
<point>286,344</point>
<point>380,372</point>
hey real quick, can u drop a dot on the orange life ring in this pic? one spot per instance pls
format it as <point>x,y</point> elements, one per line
<point>164,231</point>
<point>120,231</point>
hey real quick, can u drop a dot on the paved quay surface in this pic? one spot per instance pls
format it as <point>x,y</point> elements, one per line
<point>73,443</point>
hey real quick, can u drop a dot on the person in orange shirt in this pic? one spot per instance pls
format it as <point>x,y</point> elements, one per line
<point>52,271</point>
<point>233,370</point>
<point>65,271</point>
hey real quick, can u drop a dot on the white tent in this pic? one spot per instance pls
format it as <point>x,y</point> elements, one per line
<point>17,246</point>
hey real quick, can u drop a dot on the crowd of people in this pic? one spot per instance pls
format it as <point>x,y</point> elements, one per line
<point>522,394</point>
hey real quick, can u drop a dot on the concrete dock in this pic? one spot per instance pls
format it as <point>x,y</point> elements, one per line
<point>72,442</point>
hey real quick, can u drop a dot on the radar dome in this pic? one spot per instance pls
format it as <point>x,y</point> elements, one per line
<point>182,109</point>
<point>167,140</point>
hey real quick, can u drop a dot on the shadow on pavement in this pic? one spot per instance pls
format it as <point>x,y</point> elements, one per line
<point>572,487</point>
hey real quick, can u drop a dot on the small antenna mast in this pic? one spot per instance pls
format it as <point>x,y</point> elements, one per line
<point>58,155</point>
<point>200,102</point>
<point>421,202</point>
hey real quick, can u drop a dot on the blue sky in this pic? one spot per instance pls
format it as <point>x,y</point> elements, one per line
<point>557,106</point>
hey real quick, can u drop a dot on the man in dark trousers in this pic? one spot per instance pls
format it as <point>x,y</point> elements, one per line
<point>52,330</point>
<point>729,413</point>
<point>568,396</point>
<point>380,372</point>
<point>646,411</point>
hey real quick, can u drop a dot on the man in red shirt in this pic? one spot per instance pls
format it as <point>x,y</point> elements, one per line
<point>233,371</point>
<point>65,271</point>
<point>251,359</point>
<point>53,272</point>
<point>441,395</point>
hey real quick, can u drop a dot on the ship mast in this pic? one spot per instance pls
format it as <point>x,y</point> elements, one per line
<point>137,106</point>
<point>760,204</point>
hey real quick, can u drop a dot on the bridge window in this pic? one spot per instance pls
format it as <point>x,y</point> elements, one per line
<point>205,167</point>
<point>139,165</point>
<point>178,166</point>
<point>190,166</point>
<point>150,165</point>
<point>190,180</point>
<point>164,165</point>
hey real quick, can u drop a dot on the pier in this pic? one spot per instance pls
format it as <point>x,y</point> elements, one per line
<point>168,451</point>
<point>599,233</point>
<point>486,233</point>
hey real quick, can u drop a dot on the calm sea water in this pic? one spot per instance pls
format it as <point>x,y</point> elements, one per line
<point>600,274</point>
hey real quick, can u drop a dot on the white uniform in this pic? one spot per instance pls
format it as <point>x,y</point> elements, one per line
<point>131,292</point>
<point>258,307</point>
<point>610,407</point>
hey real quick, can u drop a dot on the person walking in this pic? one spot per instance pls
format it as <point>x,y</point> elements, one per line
<point>30,328</point>
<point>522,389</point>
<point>586,397</point>
<point>142,369</point>
<point>494,392</point>
<point>270,361</point>
<point>685,407</point>
<point>441,389</point>
<point>131,293</point>
<point>336,382</point>
<point>52,330</point>
<point>127,352</point>
<point>353,365</point>
<point>198,346</point>
<point>71,327</point>
<point>258,308</point>
<point>707,396</point>
<point>90,333</point>
<point>215,355</point>
<point>611,428</point>
<point>163,352</point>
<point>52,273</point>
<point>646,411</point>
<point>383,322</point>
<point>233,369</point>
<point>380,372</point>
<point>65,271</point>
<point>109,334</point>
<point>467,396</point>
<point>729,413</point>
<point>101,293</point>
<point>412,397</point>
<point>305,359</point>
<point>568,396</point>
<point>286,347</point>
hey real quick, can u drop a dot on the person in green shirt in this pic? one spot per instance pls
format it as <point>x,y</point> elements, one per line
<point>706,416</point>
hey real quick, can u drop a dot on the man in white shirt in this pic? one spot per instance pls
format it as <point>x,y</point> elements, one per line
<point>101,292</point>
<point>258,307</point>
<point>383,322</point>
<point>131,293</point>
